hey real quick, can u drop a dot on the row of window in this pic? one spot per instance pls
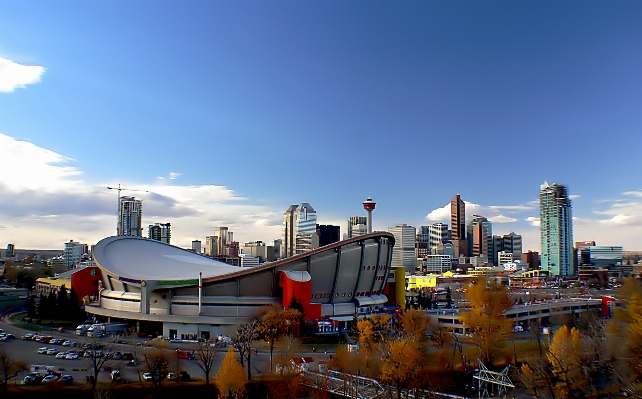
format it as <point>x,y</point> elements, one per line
<point>373,267</point>
<point>343,295</point>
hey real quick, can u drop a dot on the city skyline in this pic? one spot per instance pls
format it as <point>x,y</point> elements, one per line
<point>241,101</point>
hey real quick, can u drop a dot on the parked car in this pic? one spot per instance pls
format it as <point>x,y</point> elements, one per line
<point>71,356</point>
<point>50,378</point>
<point>147,376</point>
<point>171,376</point>
<point>69,343</point>
<point>43,350</point>
<point>27,336</point>
<point>61,355</point>
<point>52,351</point>
<point>32,379</point>
<point>67,379</point>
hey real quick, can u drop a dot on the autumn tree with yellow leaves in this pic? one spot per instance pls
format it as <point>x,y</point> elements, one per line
<point>486,317</point>
<point>231,378</point>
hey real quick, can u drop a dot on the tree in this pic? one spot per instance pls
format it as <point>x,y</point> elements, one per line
<point>231,378</point>
<point>98,357</point>
<point>205,358</point>
<point>414,325</point>
<point>401,360</point>
<point>563,356</point>
<point>440,335</point>
<point>276,323</point>
<point>43,307</point>
<point>158,362</point>
<point>62,303</point>
<point>10,367</point>
<point>51,305</point>
<point>31,306</point>
<point>244,342</point>
<point>74,311</point>
<point>486,317</point>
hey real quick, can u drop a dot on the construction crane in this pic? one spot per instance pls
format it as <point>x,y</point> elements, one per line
<point>119,188</point>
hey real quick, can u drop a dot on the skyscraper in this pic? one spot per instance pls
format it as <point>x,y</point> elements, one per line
<point>211,246</point>
<point>403,253</point>
<point>438,234</point>
<point>556,230</point>
<point>222,240</point>
<point>480,240</point>
<point>130,212</point>
<point>159,232</point>
<point>328,234</point>
<point>513,244</point>
<point>488,226</point>
<point>458,226</point>
<point>299,225</point>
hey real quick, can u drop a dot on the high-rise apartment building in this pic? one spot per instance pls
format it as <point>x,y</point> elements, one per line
<point>74,252</point>
<point>358,223</point>
<point>556,230</point>
<point>458,226</point>
<point>513,243</point>
<point>298,220</point>
<point>130,215</point>
<point>196,246</point>
<point>160,232</point>
<point>403,253</point>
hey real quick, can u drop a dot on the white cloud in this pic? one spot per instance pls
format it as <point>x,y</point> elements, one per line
<point>574,196</point>
<point>51,206</point>
<point>637,193</point>
<point>440,214</point>
<point>534,221</point>
<point>43,171</point>
<point>174,175</point>
<point>491,212</point>
<point>13,75</point>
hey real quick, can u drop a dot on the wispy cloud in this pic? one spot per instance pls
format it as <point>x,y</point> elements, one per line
<point>14,75</point>
<point>174,175</point>
<point>637,193</point>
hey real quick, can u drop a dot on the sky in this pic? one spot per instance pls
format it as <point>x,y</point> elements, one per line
<point>220,113</point>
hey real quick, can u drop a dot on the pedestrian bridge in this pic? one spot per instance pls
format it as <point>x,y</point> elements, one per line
<point>359,387</point>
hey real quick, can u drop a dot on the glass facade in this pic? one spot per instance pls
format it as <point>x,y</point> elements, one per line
<point>556,230</point>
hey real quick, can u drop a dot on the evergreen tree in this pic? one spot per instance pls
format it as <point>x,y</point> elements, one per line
<point>31,306</point>
<point>62,304</point>
<point>73,306</point>
<point>42,306</point>
<point>51,305</point>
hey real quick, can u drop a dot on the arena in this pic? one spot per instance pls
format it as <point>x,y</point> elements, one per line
<point>167,290</point>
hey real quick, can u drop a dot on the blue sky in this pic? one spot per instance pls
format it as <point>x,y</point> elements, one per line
<point>253,106</point>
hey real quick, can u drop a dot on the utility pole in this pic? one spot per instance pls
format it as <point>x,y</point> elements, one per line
<point>119,188</point>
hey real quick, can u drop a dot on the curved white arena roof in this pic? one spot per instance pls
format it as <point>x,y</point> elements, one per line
<point>146,259</point>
